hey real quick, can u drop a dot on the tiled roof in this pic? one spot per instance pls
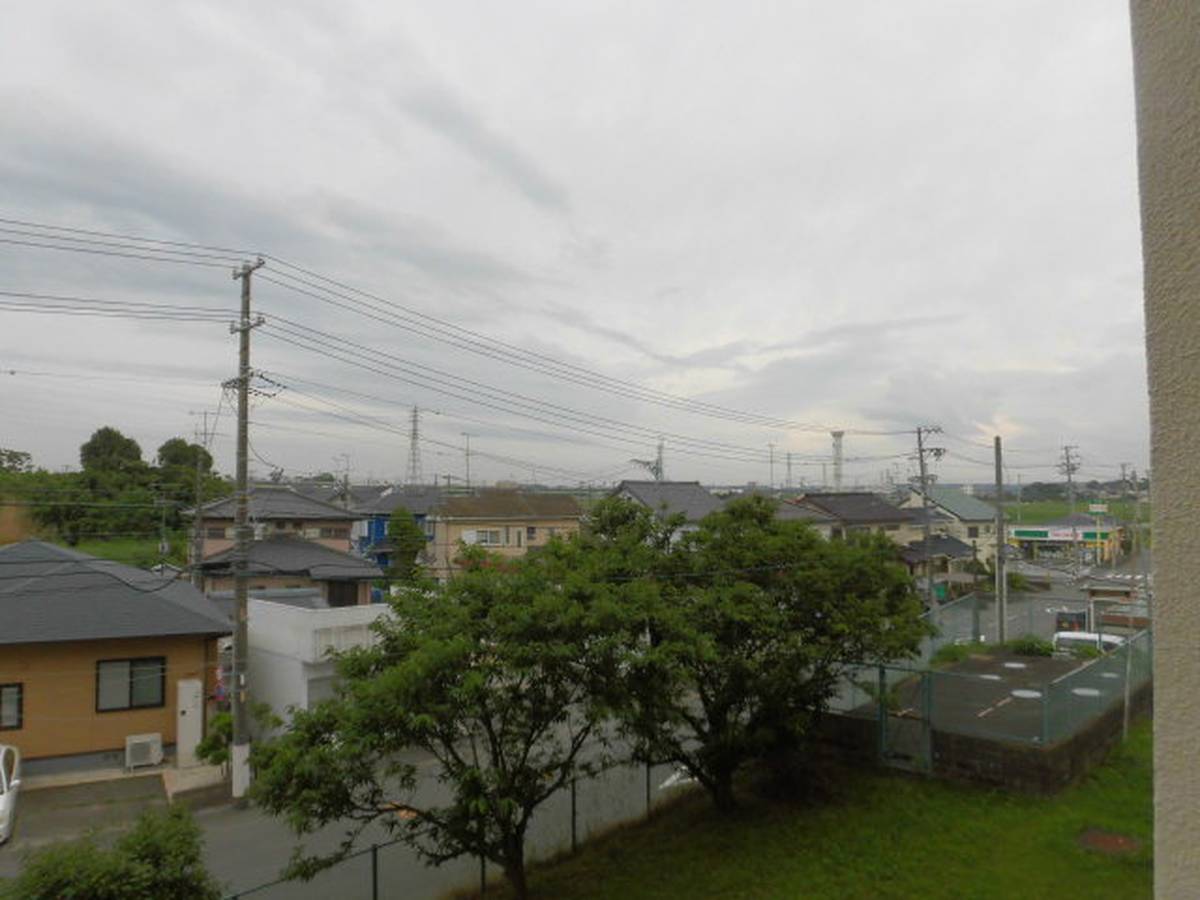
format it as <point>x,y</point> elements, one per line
<point>854,507</point>
<point>668,498</point>
<point>284,554</point>
<point>50,593</point>
<point>960,505</point>
<point>505,504</point>
<point>790,512</point>
<point>939,545</point>
<point>270,502</point>
<point>417,499</point>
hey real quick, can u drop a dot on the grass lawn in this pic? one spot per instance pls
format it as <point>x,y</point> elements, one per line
<point>883,836</point>
<point>1036,512</point>
<point>140,552</point>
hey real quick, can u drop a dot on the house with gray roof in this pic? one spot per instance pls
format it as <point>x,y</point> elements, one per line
<point>859,511</point>
<point>287,561</point>
<point>959,515</point>
<point>277,509</point>
<point>93,651</point>
<point>669,498</point>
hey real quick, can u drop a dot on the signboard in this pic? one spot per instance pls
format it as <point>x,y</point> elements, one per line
<point>1097,509</point>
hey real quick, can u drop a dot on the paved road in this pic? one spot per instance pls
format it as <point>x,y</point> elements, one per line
<point>245,848</point>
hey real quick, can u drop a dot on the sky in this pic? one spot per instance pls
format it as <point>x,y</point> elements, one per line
<point>867,216</point>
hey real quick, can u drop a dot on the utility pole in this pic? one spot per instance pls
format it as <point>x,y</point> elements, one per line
<point>837,458</point>
<point>772,475</point>
<point>1001,580</point>
<point>1069,466</point>
<point>468,437</point>
<point>345,460</point>
<point>936,453</point>
<point>240,751</point>
<point>197,517</point>
<point>789,470</point>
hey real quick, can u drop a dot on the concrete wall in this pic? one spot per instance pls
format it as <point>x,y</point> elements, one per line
<point>1166,54</point>
<point>266,582</point>
<point>59,687</point>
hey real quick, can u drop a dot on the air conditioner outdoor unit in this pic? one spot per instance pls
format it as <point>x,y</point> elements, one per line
<point>143,750</point>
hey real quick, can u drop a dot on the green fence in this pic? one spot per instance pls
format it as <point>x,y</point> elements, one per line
<point>1075,700</point>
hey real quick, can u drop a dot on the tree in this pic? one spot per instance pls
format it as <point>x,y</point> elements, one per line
<point>501,675</point>
<point>407,540</point>
<point>160,859</point>
<point>15,461</point>
<point>109,450</point>
<point>755,622</point>
<point>177,453</point>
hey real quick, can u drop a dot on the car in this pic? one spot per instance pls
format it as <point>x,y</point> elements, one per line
<point>10,788</point>
<point>1066,641</point>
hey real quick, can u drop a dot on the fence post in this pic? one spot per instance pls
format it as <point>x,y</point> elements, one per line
<point>1128,678</point>
<point>374,872</point>
<point>647,787</point>
<point>574,836</point>
<point>882,713</point>
<point>1046,689</point>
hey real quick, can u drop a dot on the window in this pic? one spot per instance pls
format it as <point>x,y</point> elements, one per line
<point>489,538</point>
<point>214,532</point>
<point>531,533</point>
<point>11,703</point>
<point>891,527</point>
<point>335,533</point>
<point>131,683</point>
<point>972,531</point>
<point>343,593</point>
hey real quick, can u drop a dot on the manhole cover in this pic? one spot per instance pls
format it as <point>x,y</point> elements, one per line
<point>990,677</point>
<point>1015,665</point>
<point>1085,692</point>
<point>1026,694</point>
<point>1109,675</point>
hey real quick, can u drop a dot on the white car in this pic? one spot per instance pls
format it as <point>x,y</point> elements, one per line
<point>1066,641</point>
<point>10,787</point>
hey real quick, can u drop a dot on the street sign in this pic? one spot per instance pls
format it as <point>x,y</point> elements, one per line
<point>1097,509</point>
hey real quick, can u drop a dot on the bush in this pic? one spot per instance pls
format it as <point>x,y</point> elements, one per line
<point>1086,652</point>
<point>1029,645</point>
<point>949,654</point>
<point>160,859</point>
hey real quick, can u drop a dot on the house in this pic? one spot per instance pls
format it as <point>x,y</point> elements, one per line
<point>669,498</point>
<point>949,559</point>
<point>959,515</point>
<point>287,561</point>
<point>277,509</point>
<point>507,522</point>
<point>861,511</point>
<point>822,522</point>
<point>92,652</point>
<point>290,634</point>
<point>370,531</point>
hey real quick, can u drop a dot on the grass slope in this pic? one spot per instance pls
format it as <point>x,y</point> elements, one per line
<point>884,836</point>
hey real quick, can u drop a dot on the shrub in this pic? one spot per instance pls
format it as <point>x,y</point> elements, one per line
<point>1029,645</point>
<point>160,859</point>
<point>949,654</point>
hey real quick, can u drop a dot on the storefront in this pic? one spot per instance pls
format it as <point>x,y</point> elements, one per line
<point>1094,539</point>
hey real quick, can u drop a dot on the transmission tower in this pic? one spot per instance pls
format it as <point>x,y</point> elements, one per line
<point>653,466</point>
<point>924,431</point>
<point>1069,466</point>
<point>414,476</point>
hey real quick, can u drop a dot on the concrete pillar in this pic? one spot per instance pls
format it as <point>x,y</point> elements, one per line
<point>1166,53</point>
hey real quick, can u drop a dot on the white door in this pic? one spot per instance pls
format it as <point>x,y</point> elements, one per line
<point>189,725</point>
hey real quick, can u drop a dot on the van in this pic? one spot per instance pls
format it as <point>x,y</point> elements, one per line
<point>1066,641</point>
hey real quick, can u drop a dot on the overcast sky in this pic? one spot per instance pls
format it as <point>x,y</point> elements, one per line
<point>869,215</point>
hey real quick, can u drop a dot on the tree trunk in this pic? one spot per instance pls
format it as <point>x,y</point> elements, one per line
<point>722,791</point>
<point>514,865</point>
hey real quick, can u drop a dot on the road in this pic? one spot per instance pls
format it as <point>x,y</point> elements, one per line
<point>245,848</point>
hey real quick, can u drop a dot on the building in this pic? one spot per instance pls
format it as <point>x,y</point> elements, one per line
<point>861,511</point>
<point>277,509</point>
<point>507,522</point>
<point>822,523</point>
<point>671,498</point>
<point>959,515</point>
<point>286,561</point>
<point>92,652</point>
<point>290,634</point>
<point>1094,539</point>
<point>949,559</point>
<point>370,531</point>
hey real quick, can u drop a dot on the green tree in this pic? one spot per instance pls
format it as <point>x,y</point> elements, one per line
<point>177,453</point>
<point>15,461</point>
<point>407,540</point>
<point>501,675</point>
<point>109,450</point>
<point>755,621</point>
<point>160,859</point>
